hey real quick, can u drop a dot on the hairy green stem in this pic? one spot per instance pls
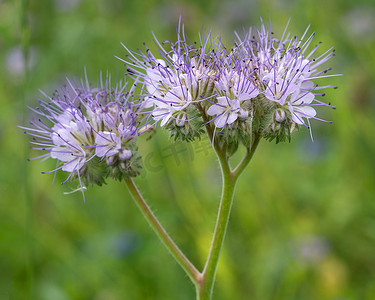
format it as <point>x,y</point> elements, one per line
<point>205,287</point>
<point>185,263</point>
<point>207,280</point>
<point>204,281</point>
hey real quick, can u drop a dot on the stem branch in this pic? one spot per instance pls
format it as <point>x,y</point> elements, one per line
<point>162,233</point>
<point>207,280</point>
<point>247,158</point>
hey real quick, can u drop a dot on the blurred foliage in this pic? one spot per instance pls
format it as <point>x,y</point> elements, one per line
<point>303,220</point>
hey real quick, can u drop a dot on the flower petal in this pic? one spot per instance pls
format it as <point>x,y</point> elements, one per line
<point>220,121</point>
<point>215,110</point>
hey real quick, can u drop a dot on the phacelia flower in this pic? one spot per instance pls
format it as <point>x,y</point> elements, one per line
<point>285,71</point>
<point>91,132</point>
<point>262,85</point>
<point>234,88</point>
<point>177,81</point>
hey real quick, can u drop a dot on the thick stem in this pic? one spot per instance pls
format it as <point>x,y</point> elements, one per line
<point>205,286</point>
<point>207,280</point>
<point>162,233</point>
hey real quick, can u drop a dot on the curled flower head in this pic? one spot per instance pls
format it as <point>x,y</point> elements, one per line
<point>91,132</point>
<point>234,90</point>
<point>262,86</point>
<point>177,80</point>
<point>285,72</point>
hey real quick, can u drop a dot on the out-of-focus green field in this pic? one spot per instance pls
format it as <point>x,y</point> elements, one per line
<point>303,220</point>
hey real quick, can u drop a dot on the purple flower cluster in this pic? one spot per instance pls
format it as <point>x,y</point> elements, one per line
<point>87,129</point>
<point>262,86</point>
<point>180,79</point>
<point>261,76</point>
<point>285,71</point>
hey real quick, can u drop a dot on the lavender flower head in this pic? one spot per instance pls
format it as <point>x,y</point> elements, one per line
<point>263,85</point>
<point>91,132</point>
<point>176,83</point>
<point>285,72</point>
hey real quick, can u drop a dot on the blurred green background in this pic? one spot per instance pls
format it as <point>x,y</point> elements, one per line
<point>303,220</point>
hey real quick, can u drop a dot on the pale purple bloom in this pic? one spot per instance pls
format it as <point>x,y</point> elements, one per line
<point>286,70</point>
<point>227,111</point>
<point>236,84</point>
<point>257,77</point>
<point>67,150</point>
<point>179,78</point>
<point>107,144</point>
<point>233,88</point>
<point>80,123</point>
<point>174,101</point>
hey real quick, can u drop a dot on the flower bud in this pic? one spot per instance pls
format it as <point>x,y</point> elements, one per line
<point>111,160</point>
<point>279,115</point>
<point>243,114</point>
<point>181,119</point>
<point>275,126</point>
<point>125,154</point>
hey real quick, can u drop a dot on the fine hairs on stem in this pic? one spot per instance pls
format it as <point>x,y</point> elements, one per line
<point>204,281</point>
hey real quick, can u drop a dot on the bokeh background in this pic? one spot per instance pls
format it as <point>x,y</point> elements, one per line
<point>303,220</point>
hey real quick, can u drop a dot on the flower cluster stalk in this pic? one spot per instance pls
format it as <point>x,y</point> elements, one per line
<point>203,281</point>
<point>205,287</point>
<point>161,232</point>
